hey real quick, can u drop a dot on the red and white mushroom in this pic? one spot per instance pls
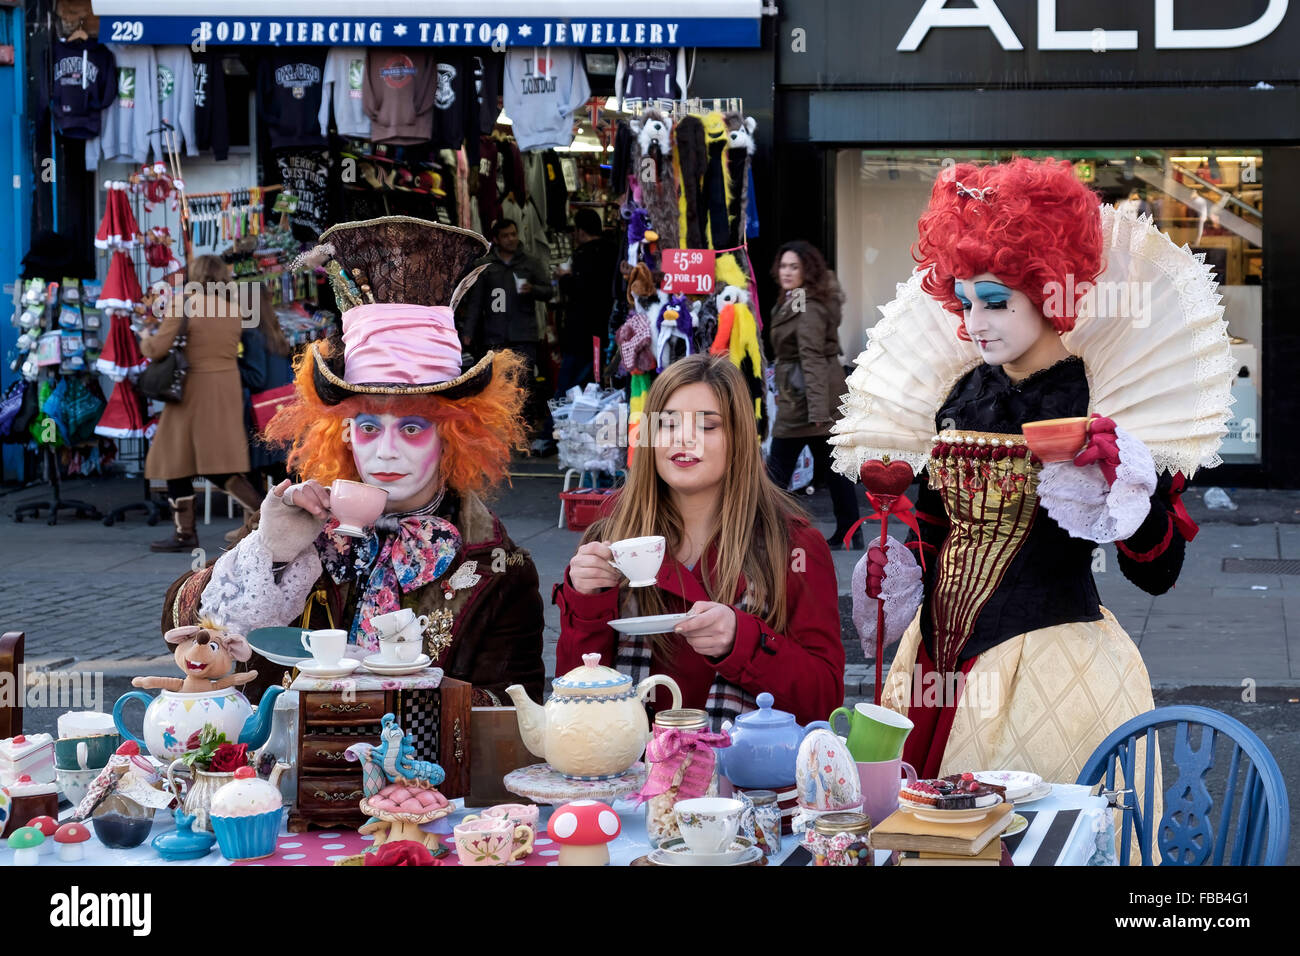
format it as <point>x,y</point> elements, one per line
<point>583,828</point>
<point>69,837</point>
<point>48,826</point>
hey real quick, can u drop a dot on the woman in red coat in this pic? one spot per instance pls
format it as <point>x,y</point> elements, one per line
<point>742,560</point>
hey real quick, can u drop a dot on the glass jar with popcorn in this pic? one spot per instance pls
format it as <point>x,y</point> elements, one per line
<point>680,765</point>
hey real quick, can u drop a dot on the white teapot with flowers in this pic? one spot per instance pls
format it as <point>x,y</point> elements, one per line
<point>594,724</point>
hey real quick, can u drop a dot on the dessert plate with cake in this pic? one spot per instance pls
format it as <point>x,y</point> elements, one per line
<point>957,798</point>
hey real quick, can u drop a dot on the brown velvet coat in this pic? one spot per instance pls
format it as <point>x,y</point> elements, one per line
<point>496,625</point>
<point>204,433</point>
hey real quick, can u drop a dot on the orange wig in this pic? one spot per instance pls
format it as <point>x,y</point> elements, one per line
<point>478,432</point>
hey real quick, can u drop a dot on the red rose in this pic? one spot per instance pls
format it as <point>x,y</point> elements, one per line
<point>192,742</point>
<point>401,853</point>
<point>228,758</point>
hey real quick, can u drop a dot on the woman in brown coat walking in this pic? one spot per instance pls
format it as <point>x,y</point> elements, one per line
<point>809,377</point>
<point>203,434</point>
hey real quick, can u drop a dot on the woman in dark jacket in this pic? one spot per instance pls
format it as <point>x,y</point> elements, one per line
<point>809,377</point>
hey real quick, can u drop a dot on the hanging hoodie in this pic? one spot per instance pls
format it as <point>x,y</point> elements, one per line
<point>85,82</point>
<point>487,88</point>
<point>345,90</point>
<point>175,99</point>
<point>211,129</point>
<point>650,73</point>
<point>125,124</point>
<point>289,83</point>
<point>455,102</point>
<point>399,94</point>
<point>544,87</point>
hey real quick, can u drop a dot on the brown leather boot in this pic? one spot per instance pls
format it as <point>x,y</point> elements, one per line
<point>243,491</point>
<point>183,537</point>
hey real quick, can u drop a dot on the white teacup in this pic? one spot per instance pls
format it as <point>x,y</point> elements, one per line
<point>325,646</point>
<point>708,824</point>
<point>394,622</point>
<point>639,559</point>
<point>397,651</point>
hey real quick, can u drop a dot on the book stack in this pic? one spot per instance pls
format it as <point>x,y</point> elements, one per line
<point>922,843</point>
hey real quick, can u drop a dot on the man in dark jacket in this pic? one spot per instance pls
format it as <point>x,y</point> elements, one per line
<point>498,313</point>
<point>587,287</point>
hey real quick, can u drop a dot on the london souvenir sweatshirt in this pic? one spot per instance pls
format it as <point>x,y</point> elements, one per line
<point>344,91</point>
<point>84,82</point>
<point>289,85</point>
<point>543,88</point>
<point>124,126</point>
<point>175,99</point>
<point>401,86</point>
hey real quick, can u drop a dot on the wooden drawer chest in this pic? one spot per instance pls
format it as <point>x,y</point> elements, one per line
<point>330,720</point>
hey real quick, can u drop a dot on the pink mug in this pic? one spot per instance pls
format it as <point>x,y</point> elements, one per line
<point>881,781</point>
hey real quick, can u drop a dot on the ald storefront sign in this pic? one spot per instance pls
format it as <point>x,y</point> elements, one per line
<point>708,23</point>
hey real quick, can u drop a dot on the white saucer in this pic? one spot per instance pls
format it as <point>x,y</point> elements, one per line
<point>343,668</point>
<point>1044,789</point>
<point>936,815</point>
<point>653,624</point>
<point>675,853</point>
<point>377,665</point>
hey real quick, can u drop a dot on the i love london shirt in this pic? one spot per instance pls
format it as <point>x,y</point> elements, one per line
<point>543,88</point>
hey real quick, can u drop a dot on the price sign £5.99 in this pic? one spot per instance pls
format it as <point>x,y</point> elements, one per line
<point>688,271</point>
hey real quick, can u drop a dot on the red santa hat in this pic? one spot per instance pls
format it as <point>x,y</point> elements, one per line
<point>124,415</point>
<point>121,355</point>
<point>118,228</point>
<point>122,285</point>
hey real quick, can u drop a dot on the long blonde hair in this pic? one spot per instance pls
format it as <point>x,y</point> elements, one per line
<point>752,534</point>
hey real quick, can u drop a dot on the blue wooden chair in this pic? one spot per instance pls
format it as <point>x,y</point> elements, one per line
<point>1190,833</point>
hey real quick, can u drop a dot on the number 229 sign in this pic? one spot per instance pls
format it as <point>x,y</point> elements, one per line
<point>688,271</point>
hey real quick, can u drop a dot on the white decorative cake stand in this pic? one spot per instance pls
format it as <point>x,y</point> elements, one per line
<point>541,784</point>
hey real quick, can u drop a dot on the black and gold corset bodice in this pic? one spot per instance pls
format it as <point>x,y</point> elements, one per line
<point>1001,566</point>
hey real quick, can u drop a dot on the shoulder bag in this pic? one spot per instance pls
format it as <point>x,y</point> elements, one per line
<point>164,379</point>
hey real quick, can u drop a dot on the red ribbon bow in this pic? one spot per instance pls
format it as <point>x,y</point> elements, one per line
<point>898,505</point>
<point>668,751</point>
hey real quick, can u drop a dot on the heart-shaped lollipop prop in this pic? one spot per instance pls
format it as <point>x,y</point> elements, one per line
<point>885,482</point>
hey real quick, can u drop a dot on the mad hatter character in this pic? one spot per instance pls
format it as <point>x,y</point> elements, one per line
<point>389,405</point>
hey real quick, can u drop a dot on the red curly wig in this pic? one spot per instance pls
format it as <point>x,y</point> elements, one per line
<point>478,433</point>
<point>1032,224</point>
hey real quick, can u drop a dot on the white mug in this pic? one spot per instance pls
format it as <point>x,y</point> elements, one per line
<point>325,646</point>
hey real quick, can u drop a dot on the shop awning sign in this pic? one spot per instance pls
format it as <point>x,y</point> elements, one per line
<point>573,23</point>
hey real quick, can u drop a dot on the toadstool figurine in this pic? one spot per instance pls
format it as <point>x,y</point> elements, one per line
<point>48,826</point>
<point>583,828</point>
<point>70,838</point>
<point>26,844</point>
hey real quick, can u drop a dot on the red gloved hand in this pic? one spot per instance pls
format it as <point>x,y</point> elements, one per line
<point>876,559</point>
<point>1101,448</point>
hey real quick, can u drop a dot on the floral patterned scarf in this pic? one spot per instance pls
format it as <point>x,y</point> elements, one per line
<point>401,553</point>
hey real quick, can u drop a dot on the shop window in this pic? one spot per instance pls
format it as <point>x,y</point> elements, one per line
<point>1210,199</point>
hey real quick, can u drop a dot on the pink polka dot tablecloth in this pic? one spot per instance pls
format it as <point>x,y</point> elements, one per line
<point>324,847</point>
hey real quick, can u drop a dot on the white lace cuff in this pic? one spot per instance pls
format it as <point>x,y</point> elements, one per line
<point>901,591</point>
<point>1080,502</point>
<point>243,593</point>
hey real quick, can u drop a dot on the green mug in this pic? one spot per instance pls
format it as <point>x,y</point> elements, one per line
<point>95,755</point>
<point>875,733</point>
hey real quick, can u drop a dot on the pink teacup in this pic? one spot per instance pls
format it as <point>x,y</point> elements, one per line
<point>520,814</point>
<point>881,781</point>
<point>485,841</point>
<point>356,505</point>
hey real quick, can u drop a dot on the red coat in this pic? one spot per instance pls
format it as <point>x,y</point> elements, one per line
<point>802,668</point>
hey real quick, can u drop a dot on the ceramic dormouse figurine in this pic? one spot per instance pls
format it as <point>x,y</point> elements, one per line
<point>206,655</point>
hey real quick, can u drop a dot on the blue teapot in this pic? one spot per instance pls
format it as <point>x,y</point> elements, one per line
<point>764,747</point>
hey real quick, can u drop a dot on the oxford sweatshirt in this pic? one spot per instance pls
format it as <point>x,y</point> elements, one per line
<point>125,124</point>
<point>289,94</point>
<point>543,88</point>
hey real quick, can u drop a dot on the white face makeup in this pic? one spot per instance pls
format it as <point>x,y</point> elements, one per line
<point>398,454</point>
<point>690,443</point>
<point>1002,322</point>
